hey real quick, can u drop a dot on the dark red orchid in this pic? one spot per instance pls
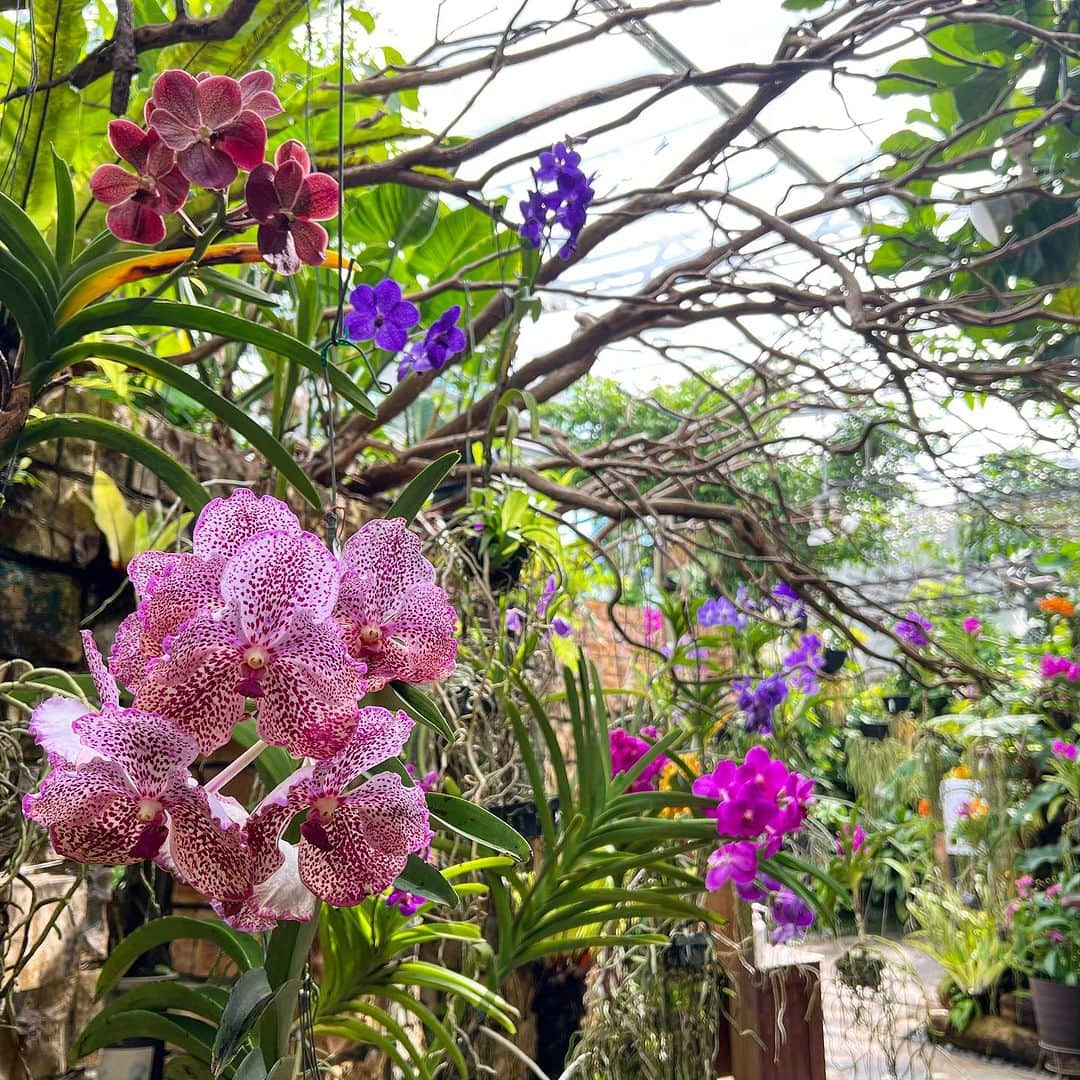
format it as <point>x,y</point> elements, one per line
<point>138,203</point>
<point>288,200</point>
<point>206,122</point>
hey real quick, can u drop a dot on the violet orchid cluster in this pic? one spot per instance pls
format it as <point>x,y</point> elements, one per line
<point>758,804</point>
<point>562,205</point>
<point>259,614</point>
<point>914,629</point>
<point>382,315</point>
<point>803,663</point>
<point>627,750</point>
<point>721,612</point>
<point>204,131</point>
<point>758,703</point>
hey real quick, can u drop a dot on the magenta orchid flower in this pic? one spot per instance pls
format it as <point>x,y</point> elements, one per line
<point>138,203</point>
<point>288,200</point>
<point>206,123</point>
<point>355,840</point>
<point>395,618</point>
<point>273,641</point>
<point>256,93</point>
<point>172,588</point>
<point>737,861</point>
<point>119,791</point>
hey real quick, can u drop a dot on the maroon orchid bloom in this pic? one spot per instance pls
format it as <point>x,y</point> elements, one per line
<point>206,123</point>
<point>137,204</point>
<point>288,200</point>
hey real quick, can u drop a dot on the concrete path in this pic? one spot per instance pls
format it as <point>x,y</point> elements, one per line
<point>880,1037</point>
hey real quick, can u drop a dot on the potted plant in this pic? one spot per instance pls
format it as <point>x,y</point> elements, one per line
<point>1046,941</point>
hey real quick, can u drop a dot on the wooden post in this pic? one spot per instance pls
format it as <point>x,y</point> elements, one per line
<point>771,1026</point>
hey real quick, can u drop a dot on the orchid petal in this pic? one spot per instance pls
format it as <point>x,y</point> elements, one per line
<point>206,166</point>
<point>146,746</point>
<point>104,683</point>
<point>177,91</point>
<point>318,199</point>
<point>379,734</point>
<point>211,858</point>
<point>225,524</point>
<point>287,183</point>
<point>278,249</point>
<point>261,195</point>
<point>52,727</point>
<point>135,223</point>
<point>130,142</point>
<point>111,185</point>
<point>220,99</point>
<point>310,240</point>
<point>244,139</point>
<point>276,575</point>
<point>174,131</point>
<point>293,150</point>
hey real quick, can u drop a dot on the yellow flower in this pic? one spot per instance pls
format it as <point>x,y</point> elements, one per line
<point>961,772</point>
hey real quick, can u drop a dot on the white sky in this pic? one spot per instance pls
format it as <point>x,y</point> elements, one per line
<point>844,134</point>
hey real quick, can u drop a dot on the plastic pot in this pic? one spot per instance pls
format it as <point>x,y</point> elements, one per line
<point>524,817</point>
<point>897,703</point>
<point>1057,1015</point>
<point>871,730</point>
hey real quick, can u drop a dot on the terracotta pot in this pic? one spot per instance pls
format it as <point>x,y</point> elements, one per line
<point>1057,1015</point>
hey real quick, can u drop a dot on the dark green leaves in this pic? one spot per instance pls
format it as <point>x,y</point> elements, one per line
<point>124,440</point>
<point>419,706</point>
<point>250,995</point>
<point>476,823</point>
<point>424,880</point>
<point>242,950</point>
<point>407,505</point>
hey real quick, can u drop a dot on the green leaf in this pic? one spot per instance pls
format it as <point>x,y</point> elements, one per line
<point>143,1024</point>
<point>24,240</point>
<point>271,449</point>
<point>110,314</point>
<point>65,210</point>
<point>420,707</point>
<point>21,296</point>
<point>476,823</point>
<point>251,1068</point>
<point>424,880</point>
<point>242,951</point>
<point>125,441</point>
<point>250,995</point>
<point>186,1067</point>
<point>233,286</point>
<point>407,505</point>
<point>159,995</point>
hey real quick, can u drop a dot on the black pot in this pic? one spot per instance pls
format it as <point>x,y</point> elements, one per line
<point>685,952</point>
<point>834,661</point>
<point>938,703</point>
<point>1057,1015</point>
<point>507,574</point>
<point>524,817</point>
<point>897,703</point>
<point>870,730</point>
<point>860,967</point>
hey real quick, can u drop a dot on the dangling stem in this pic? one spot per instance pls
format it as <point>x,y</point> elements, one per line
<point>235,767</point>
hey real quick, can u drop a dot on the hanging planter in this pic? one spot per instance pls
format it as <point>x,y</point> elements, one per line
<point>860,967</point>
<point>956,793</point>
<point>524,816</point>
<point>833,661</point>
<point>873,729</point>
<point>685,952</point>
<point>896,703</point>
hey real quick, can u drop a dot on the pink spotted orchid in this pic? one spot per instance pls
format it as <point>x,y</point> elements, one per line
<point>119,791</point>
<point>252,616</point>
<point>395,618</point>
<point>138,203</point>
<point>206,123</point>
<point>172,588</point>
<point>356,839</point>
<point>288,201</point>
<point>273,641</point>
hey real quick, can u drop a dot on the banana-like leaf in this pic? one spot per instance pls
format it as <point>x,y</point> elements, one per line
<point>236,419</point>
<point>125,441</point>
<point>110,314</point>
<point>407,505</point>
<point>244,951</point>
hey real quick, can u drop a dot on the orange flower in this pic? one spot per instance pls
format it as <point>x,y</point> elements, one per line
<point>978,807</point>
<point>961,772</point>
<point>924,807</point>
<point>1057,605</point>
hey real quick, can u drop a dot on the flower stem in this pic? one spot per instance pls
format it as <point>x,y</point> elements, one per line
<point>237,766</point>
